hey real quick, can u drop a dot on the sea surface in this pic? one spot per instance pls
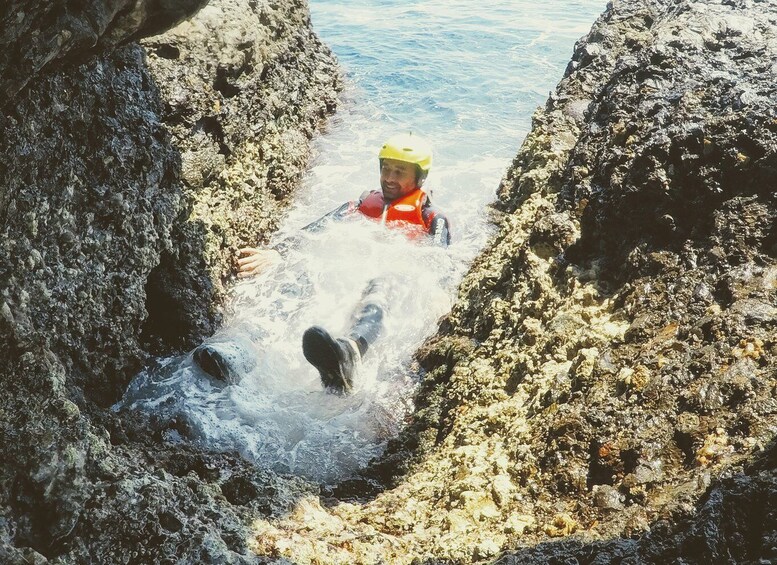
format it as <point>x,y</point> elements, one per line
<point>467,76</point>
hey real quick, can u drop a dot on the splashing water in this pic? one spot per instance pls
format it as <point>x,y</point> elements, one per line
<point>465,75</point>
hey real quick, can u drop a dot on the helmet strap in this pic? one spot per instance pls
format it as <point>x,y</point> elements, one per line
<point>420,176</point>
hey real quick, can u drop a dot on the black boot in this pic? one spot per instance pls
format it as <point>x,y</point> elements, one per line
<point>224,361</point>
<point>335,359</point>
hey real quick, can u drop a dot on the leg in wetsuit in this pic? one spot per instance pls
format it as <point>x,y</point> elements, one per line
<point>227,358</point>
<point>368,316</point>
<point>336,358</point>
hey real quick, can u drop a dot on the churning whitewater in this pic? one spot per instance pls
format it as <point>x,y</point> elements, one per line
<point>467,78</point>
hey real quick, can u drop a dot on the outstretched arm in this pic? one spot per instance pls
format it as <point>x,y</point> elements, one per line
<point>252,260</point>
<point>337,214</point>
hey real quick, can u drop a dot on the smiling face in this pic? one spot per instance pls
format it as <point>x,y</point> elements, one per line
<point>397,178</point>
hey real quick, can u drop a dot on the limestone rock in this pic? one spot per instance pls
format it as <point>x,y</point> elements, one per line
<point>620,324</point>
<point>97,178</point>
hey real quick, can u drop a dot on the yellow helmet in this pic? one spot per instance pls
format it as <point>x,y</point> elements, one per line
<point>410,149</point>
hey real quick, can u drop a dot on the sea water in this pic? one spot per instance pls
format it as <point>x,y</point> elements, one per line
<point>467,76</point>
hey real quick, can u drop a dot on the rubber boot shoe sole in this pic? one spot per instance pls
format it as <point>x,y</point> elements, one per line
<point>333,359</point>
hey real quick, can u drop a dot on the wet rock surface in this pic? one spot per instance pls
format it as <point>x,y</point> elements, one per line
<point>244,85</point>
<point>609,369</point>
<point>95,196</point>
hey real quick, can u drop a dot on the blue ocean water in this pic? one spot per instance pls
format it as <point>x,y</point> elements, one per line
<point>466,75</point>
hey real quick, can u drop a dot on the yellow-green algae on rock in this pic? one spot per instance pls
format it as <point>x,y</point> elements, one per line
<point>611,355</point>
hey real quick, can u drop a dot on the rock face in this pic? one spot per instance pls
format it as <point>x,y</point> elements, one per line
<point>609,368</point>
<point>105,172</point>
<point>241,100</point>
<point>36,33</point>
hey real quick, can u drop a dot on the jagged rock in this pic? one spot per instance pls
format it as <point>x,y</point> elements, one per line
<point>244,86</point>
<point>95,190</point>
<point>89,195</point>
<point>36,33</point>
<point>620,325</point>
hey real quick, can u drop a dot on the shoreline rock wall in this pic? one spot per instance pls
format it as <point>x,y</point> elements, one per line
<point>96,201</point>
<point>244,85</point>
<point>89,197</point>
<point>609,368</point>
<point>36,35</point>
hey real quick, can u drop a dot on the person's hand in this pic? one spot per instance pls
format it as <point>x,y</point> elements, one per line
<point>252,261</point>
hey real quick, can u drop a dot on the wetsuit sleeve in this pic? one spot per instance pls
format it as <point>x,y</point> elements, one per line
<point>337,214</point>
<point>437,224</point>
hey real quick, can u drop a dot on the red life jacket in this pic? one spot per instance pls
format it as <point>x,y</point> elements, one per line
<point>404,212</point>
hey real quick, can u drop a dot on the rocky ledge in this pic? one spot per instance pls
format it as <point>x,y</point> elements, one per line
<point>607,377</point>
<point>119,161</point>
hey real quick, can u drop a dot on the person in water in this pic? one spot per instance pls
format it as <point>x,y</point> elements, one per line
<point>405,161</point>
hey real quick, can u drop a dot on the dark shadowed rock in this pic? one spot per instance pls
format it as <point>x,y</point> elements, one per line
<point>98,178</point>
<point>36,33</point>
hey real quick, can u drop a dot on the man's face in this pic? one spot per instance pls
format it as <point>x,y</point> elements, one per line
<point>397,178</point>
